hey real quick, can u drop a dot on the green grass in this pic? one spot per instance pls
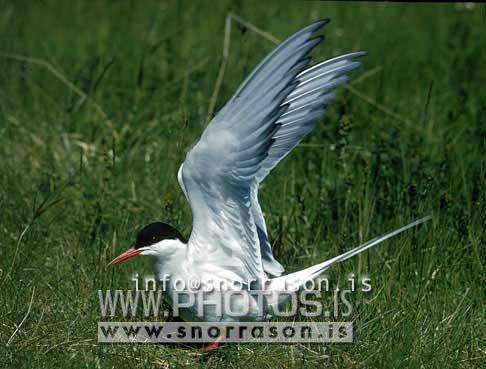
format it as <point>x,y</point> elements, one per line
<point>78,176</point>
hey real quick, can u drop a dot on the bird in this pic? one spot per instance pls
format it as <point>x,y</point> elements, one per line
<point>274,108</point>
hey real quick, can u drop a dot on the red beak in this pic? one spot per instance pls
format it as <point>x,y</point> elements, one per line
<point>131,252</point>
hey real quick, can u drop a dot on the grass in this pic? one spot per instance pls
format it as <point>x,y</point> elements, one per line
<point>99,102</point>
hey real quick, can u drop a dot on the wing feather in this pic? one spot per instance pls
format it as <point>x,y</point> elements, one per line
<point>273,109</point>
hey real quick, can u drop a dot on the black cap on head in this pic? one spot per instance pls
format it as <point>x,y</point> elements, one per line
<point>156,232</point>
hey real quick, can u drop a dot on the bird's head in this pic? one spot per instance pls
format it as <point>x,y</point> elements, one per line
<point>156,239</point>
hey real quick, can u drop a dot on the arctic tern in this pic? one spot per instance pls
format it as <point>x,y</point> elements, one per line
<point>271,112</point>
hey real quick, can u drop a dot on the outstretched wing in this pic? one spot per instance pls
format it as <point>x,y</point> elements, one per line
<point>269,114</point>
<point>306,104</point>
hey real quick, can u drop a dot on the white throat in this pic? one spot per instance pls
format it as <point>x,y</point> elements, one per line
<point>169,256</point>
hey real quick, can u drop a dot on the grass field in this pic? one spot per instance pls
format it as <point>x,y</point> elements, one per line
<point>99,102</point>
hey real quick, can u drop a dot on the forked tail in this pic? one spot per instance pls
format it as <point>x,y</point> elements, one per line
<point>295,280</point>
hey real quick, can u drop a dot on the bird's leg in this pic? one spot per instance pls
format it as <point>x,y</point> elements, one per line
<point>214,345</point>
